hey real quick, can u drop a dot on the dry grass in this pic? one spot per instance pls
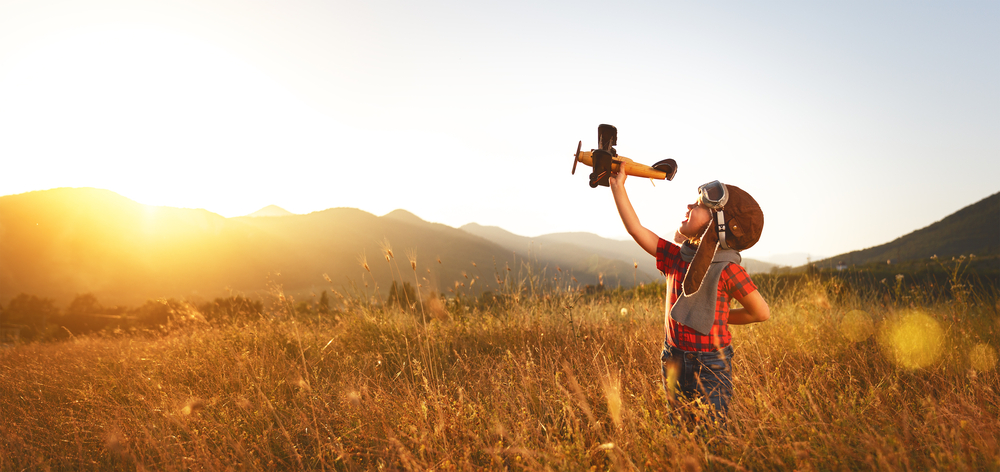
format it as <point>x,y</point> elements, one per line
<point>549,380</point>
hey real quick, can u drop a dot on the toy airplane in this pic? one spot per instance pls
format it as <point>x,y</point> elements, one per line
<point>606,160</point>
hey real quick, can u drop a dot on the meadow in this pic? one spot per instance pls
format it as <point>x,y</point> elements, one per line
<point>540,375</point>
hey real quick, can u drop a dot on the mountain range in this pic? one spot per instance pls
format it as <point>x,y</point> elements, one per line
<point>586,251</point>
<point>63,242</point>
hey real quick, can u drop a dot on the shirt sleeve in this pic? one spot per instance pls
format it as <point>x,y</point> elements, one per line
<point>667,255</point>
<point>736,281</point>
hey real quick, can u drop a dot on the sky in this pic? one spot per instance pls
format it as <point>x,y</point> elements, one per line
<point>852,123</point>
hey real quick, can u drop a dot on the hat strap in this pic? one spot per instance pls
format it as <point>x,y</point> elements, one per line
<point>720,227</point>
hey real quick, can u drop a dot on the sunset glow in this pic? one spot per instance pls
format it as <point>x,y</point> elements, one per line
<point>468,114</point>
<point>345,235</point>
<point>163,118</point>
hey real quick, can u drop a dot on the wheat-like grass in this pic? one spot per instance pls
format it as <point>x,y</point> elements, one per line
<point>510,383</point>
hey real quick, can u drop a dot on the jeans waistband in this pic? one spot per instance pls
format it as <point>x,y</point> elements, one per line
<point>671,351</point>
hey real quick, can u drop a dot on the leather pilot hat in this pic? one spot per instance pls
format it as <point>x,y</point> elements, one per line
<point>738,219</point>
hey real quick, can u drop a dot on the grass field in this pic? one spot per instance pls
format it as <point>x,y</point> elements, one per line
<point>840,378</point>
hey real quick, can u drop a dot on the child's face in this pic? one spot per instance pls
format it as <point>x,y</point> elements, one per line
<point>695,220</point>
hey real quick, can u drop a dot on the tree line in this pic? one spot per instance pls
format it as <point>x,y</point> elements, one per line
<point>39,319</point>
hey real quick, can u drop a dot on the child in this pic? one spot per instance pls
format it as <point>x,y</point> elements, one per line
<point>703,274</point>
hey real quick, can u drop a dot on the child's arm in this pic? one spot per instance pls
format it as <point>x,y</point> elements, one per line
<point>754,310</point>
<point>646,238</point>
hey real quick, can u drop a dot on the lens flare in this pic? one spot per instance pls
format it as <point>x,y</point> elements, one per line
<point>915,341</point>
<point>983,357</point>
<point>857,326</point>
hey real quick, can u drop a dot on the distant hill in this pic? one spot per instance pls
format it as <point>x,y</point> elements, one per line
<point>271,210</point>
<point>62,242</point>
<point>792,259</point>
<point>591,257</point>
<point>404,216</point>
<point>974,229</point>
<point>568,247</point>
<point>755,266</point>
<point>628,250</point>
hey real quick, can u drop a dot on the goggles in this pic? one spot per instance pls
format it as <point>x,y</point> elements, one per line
<point>715,196</point>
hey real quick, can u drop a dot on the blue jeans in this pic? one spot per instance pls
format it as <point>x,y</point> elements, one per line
<point>700,373</point>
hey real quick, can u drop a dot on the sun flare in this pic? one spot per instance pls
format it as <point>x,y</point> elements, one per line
<point>152,114</point>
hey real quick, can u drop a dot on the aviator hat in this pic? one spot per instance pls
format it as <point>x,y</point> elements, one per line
<point>742,224</point>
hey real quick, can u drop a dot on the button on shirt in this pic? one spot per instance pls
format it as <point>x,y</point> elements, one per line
<point>733,283</point>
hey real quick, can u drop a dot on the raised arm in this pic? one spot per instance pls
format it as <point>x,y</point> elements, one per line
<point>646,238</point>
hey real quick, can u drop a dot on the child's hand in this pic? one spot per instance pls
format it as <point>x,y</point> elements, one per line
<point>617,180</point>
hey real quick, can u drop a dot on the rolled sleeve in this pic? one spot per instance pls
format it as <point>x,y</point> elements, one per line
<point>737,282</point>
<point>668,255</point>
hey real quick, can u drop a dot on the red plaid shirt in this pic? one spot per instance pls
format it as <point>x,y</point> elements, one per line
<point>733,283</point>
